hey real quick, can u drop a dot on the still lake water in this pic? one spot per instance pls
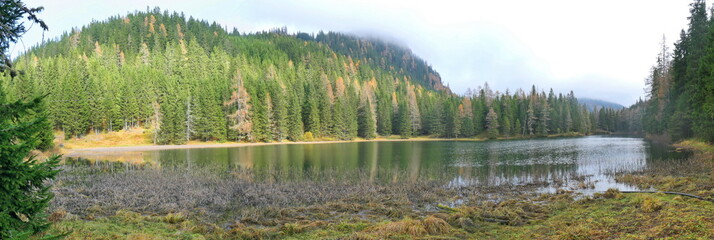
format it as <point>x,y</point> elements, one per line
<point>456,163</point>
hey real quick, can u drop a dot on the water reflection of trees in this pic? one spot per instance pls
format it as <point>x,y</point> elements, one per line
<point>374,161</point>
<point>461,163</point>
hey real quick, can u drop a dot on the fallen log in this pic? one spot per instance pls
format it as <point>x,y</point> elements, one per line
<point>673,193</point>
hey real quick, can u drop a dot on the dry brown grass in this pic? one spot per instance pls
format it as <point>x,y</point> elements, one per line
<point>695,145</point>
<point>57,215</point>
<point>651,205</point>
<point>92,158</point>
<point>130,137</point>
<point>611,193</point>
<point>262,210</point>
<point>408,227</point>
<point>435,225</point>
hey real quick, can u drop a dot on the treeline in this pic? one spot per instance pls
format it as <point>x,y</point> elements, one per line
<point>680,96</point>
<point>190,80</point>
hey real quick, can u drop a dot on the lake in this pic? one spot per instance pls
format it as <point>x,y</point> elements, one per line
<point>586,161</point>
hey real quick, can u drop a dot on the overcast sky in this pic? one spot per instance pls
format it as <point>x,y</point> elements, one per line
<point>599,49</point>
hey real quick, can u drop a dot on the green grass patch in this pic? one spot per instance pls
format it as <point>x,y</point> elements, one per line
<point>605,216</point>
<point>129,225</point>
<point>696,145</point>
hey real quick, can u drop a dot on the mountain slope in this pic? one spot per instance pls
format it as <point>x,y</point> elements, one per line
<point>593,104</point>
<point>184,79</point>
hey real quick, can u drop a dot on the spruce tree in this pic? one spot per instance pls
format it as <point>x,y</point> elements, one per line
<point>367,123</point>
<point>294,121</point>
<point>280,114</point>
<point>384,115</point>
<point>24,196</point>
<point>492,124</point>
<point>404,125</point>
<point>452,124</point>
<point>23,193</point>
<point>311,114</point>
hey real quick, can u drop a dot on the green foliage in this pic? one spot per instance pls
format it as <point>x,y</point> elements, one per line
<point>294,121</point>
<point>367,123</point>
<point>24,127</point>
<point>13,27</point>
<point>680,101</point>
<point>308,137</point>
<point>384,115</point>
<point>191,80</point>
<point>24,196</point>
<point>492,123</point>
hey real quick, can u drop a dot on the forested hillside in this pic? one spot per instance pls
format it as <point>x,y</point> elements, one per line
<point>680,100</point>
<point>183,79</point>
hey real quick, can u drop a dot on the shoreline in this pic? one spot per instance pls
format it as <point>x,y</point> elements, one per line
<point>198,145</point>
<point>73,152</point>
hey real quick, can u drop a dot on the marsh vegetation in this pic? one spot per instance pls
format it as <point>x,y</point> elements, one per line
<point>187,196</point>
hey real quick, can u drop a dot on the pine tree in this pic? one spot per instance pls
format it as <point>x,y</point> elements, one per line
<point>702,98</point>
<point>24,195</point>
<point>280,115</point>
<point>414,114</point>
<point>239,109</point>
<point>687,57</point>
<point>326,104</point>
<point>384,116</point>
<point>367,122</point>
<point>262,115</point>
<point>543,119</point>
<point>311,114</point>
<point>530,120</point>
<point>480,112</point>
<point>294,121</point>
<point>403,121</point>
<point>568,119</point>
<point>189,119</point>
<point>466,115</point>
<point>492,124</point>
<point>451,119</point>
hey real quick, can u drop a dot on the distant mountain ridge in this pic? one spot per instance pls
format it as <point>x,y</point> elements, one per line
<point>593,104</point>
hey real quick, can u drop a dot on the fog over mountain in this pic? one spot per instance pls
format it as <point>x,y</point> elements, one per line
<point>595,48</point>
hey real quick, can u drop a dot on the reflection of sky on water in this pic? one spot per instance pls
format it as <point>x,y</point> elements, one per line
<point>567,160</point>
<point>460,163</point>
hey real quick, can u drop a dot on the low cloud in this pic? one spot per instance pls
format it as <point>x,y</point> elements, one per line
<point>599,49</point>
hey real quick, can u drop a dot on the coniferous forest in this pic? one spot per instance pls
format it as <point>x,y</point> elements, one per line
<point>680,87</point>
<point>184,79</point>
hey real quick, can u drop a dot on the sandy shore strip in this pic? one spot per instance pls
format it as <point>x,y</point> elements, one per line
<point>84,151</point>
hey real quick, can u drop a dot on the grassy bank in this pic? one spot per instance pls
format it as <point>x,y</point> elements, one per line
<point>558,216</point>
<point>696,146</point>
<point>130,137</point>
<point>694,175</point>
